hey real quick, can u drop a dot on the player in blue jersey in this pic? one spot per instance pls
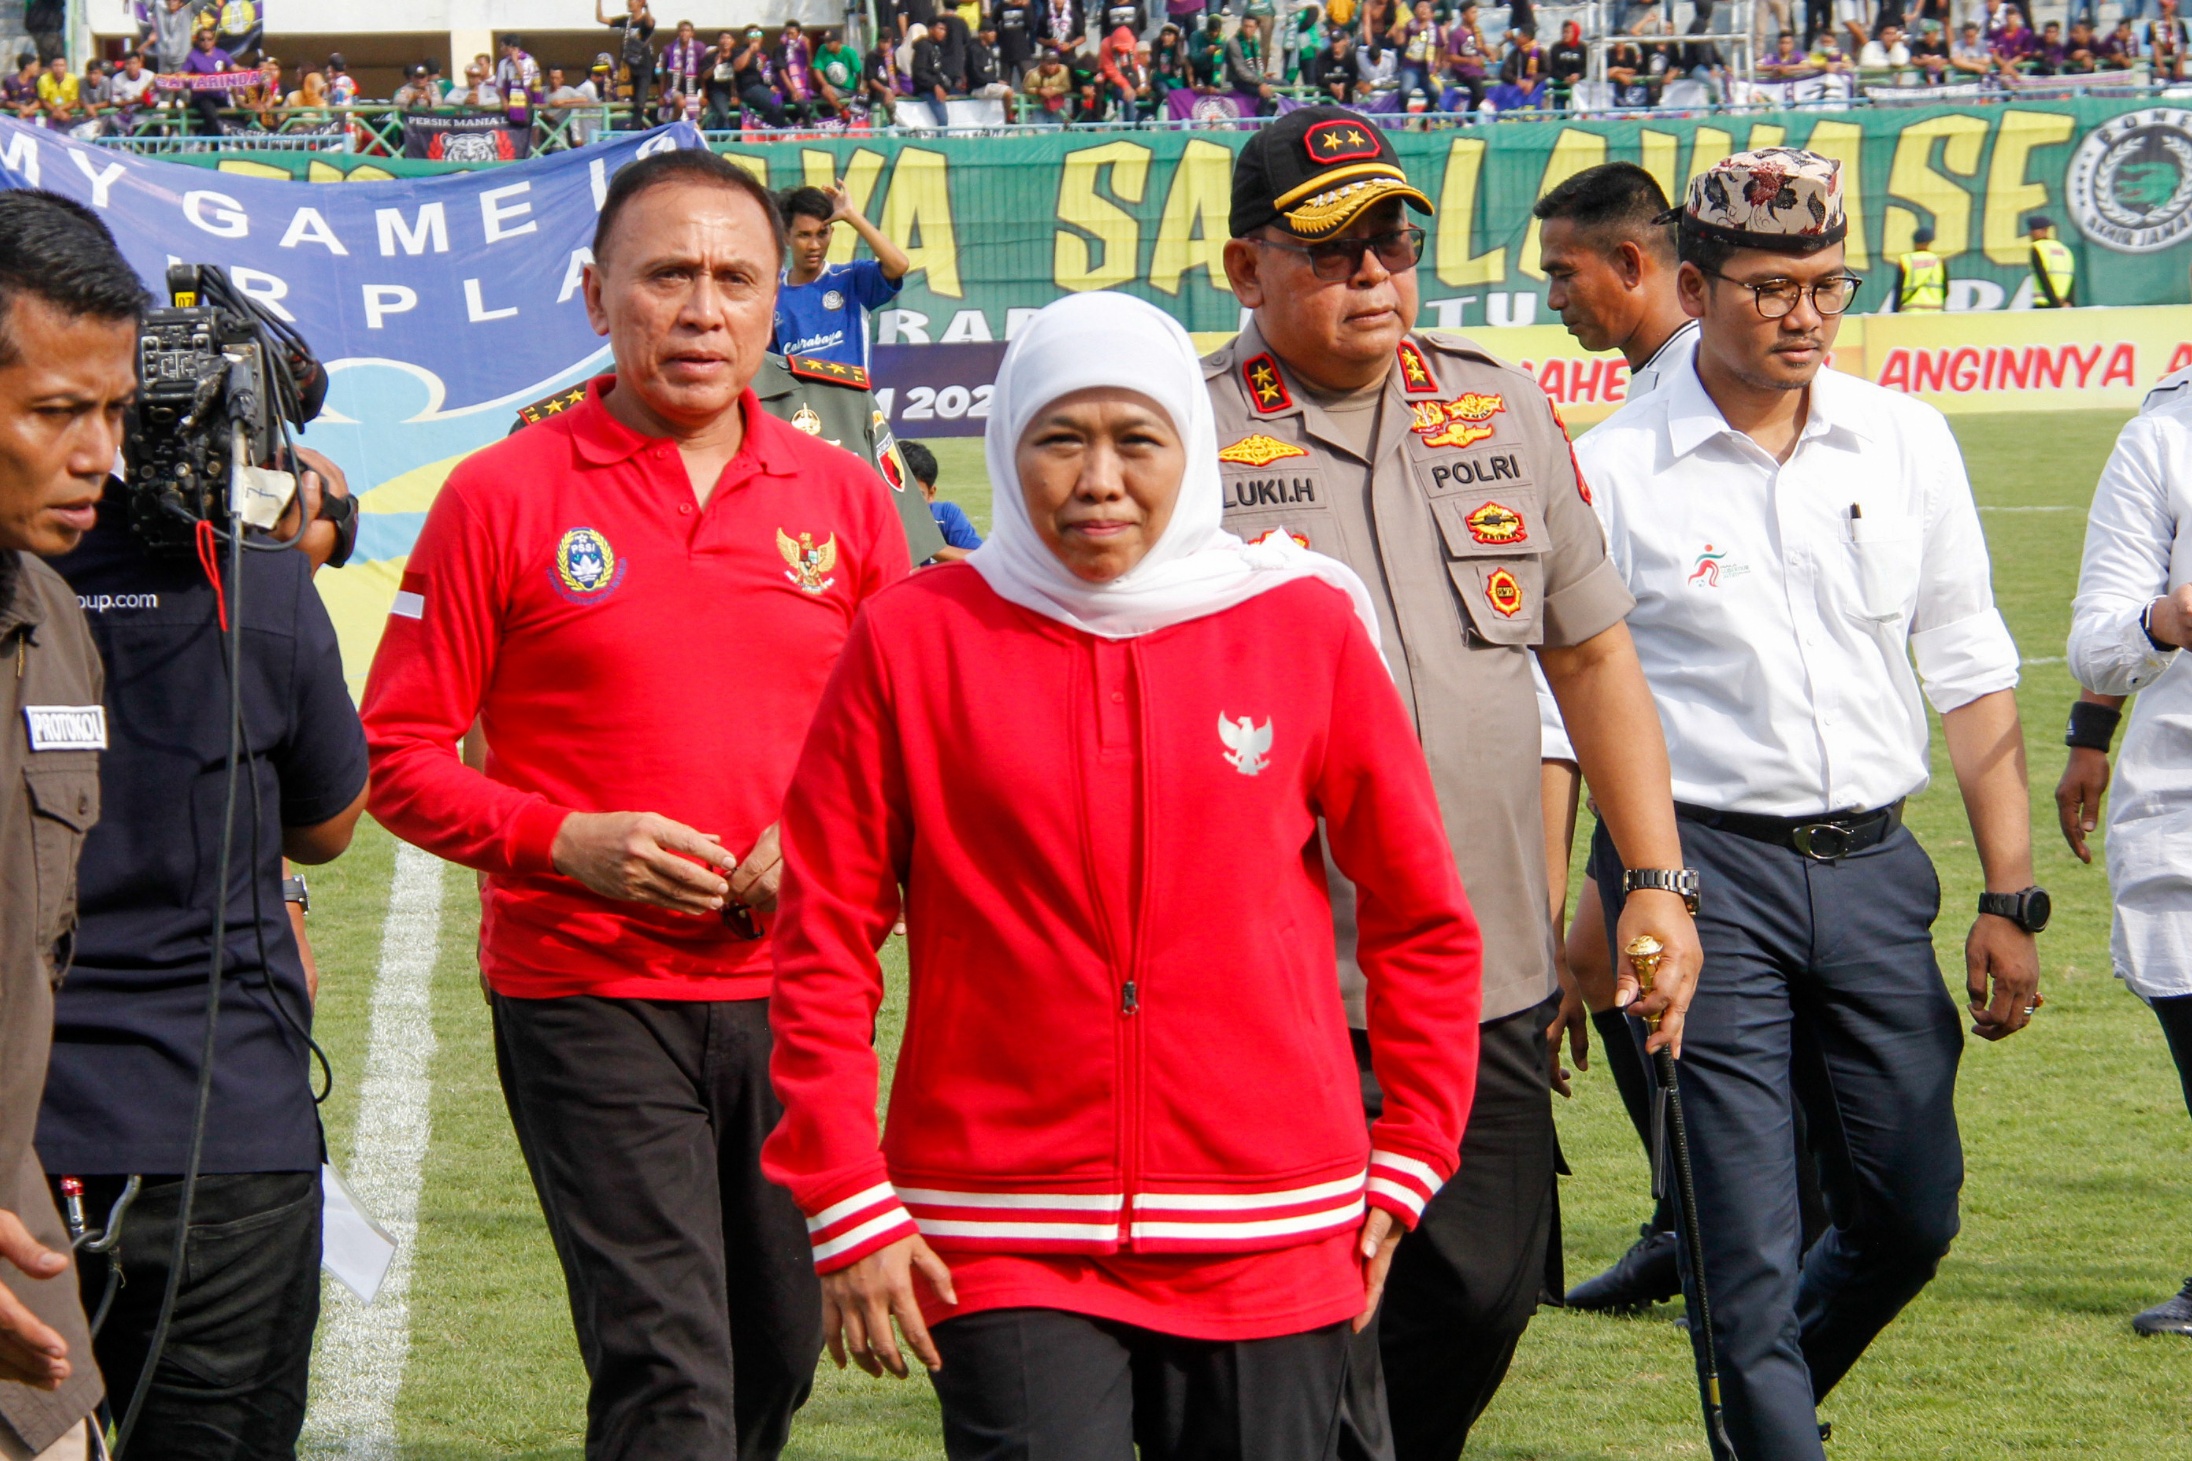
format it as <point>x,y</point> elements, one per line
<point>822,308</point>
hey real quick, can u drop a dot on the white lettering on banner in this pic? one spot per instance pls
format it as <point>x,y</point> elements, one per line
<point>1449,311</point>
<point>598,172</point>
<point>1016,318</point>
<point>476,310</point>
<point>309,227</point>
<point>574,273</point>
<point>67,727</point>
<point>227,220</point>
<point>967,327</point>
<point>901,327</point>
<point>666,142</point>
<point>101,179</point>
<point>383,300</point>
<point>21,156</point>
<point>431,226</point>
<point>267,289</point>
<point>493,214</point>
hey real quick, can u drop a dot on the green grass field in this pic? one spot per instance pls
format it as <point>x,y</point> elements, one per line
<point>2077,1210</point>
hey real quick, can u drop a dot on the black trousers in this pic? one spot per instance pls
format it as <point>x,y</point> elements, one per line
<point>230,1381</point>
<point>1820,988</point>
<point>691,1280</point>
<point>1046,1385</point>
<point>2176,1017</point>
<point>1465,1283</point>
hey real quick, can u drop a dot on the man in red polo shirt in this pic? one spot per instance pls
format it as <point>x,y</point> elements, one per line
<point>640,600</point>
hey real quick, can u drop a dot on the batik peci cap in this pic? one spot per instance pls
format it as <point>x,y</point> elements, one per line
<point>1313,171</point>
<point>1778,198</point>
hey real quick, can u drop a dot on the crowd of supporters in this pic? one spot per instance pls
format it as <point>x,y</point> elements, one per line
<point>1081,61</point>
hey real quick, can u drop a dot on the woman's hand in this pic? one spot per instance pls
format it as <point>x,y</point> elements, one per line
<point>858,1304</point>
<point>1380,1236</point>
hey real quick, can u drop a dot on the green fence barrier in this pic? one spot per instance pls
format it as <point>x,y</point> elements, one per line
<point>1000,223</point>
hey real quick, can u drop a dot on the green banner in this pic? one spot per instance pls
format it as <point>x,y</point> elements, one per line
<point>996,224</point>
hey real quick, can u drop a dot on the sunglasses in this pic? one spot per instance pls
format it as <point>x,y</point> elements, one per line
<point>739,919</point>
<point>1341,258</point>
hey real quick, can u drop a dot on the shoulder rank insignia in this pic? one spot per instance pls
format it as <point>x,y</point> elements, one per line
<point>1260,451</point>
<point>1493,523</point>
<point>1266,387</point>
<point>1415,371</point>
<point>836,372</point>
<point>548,406</point>
<point>1463,421</point>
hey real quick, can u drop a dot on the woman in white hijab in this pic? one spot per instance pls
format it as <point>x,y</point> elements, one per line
<point>1125,1196</point>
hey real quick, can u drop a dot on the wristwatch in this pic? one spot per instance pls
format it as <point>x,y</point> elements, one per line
<point>2028,909</point>
<point>294,891</point>
<point>343,513</point>
<point>1682,882</point>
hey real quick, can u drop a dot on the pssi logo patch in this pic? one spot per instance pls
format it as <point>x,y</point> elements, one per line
<point>1493,523</point>
<point>586,567</point>
<point>1463,421</point>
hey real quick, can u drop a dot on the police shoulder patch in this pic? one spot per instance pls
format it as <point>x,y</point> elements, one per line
<point>1260,450</point>
<point>548,406</point>
<point>1415,371</point>
<point>1266,387</point>
<point>836,372</point>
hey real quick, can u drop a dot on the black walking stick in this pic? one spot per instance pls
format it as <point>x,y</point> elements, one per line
<point>1644,953</point>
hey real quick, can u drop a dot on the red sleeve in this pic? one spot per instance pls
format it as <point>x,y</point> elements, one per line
<point>436,657</point>
<point>1418,943</point>
<point>846,839</point>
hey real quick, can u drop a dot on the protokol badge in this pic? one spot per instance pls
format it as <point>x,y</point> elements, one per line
<point>807,564</point>
<point>586,566</point>
<point>1493,523</point>
<point>1259,450</point>
<point>1504,592</point>
<point>1463,421</point>
<point>1247,744</point>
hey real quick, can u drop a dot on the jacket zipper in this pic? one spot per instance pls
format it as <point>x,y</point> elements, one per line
<point>1130,992</point>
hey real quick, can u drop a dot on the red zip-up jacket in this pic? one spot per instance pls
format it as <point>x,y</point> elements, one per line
<point>1125,1030</point>
<point>628,649</point>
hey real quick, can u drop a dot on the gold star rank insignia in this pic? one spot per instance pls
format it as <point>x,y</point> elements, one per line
<point>1340,141</point>
<point>836,372</point>
<point>547,406</point>
<point>1266,387</point>
<point>1415,371</point>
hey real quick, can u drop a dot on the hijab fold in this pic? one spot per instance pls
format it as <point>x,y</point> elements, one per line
<point>1195,568</point>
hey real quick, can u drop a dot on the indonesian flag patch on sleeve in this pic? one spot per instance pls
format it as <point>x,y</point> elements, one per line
<point>410,597</point>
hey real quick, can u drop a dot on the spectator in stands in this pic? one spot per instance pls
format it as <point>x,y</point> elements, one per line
<point>1206,55</point>
<point>1523,68</point>
<point>1701,60</point>
<point>2166,40</point>
<point>1332,70</point>
<point>307,105</point>
<point>795,73</point>
<point>1422,47</point>
<point>1827,57</point>
<point>1570,59</point>
<point>1121,79</point>
<point>478,90</point>
<point>2081,52</point>
<point>174,22</point>
<point>952,521</point>
<point>1625,73</point>
<point>931,81</point>
<point>635,46</point>
<point>1111,14</point>
<point>909,19</point>
<point>837,73</point>
<point>1374,22</point>
<point>1885,51</point>
<point>880,82</point>
<point>131,89</point>
<point>1244,68</point>
<point>1971,57</point>
<point>2051,57</point>
<point>1377,67</point>
<point>1467,55</point>
<point>517,71</point>
<point>679,70</point>
<point>2119,50</point>
<point>1929,52</point>
<point>1644,18</point>
<point>207,59</point>
<point>60,94</point>
<point>985,73</point>
<point>719,83</point>
<point>19,93</point>
<point>1014,22</point>
<point>342,88</point>
<point>417,94</point>
<point>1168,68</point>
<point>1050,87</point>
<point>754,72</point>
<point>2015,46</point>
<point>443,86</point>
<point>1061,27</point>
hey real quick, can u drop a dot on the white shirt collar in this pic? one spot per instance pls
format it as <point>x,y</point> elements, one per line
<point>1694,419</point>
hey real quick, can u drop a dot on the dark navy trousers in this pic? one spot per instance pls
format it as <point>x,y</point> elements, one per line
<point>1819,987</point>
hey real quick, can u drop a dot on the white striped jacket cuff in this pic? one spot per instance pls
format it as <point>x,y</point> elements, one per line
<point>845,1232</point>
<point>1402,1185</point>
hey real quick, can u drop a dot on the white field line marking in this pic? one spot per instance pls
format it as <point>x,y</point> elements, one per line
<point>364,1348</point>
<point>2044,659</point>
<point>2050,507</point>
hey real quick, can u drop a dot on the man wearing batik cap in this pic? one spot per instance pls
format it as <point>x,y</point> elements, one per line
<point>1441,475</point>
<point>1794,537</point>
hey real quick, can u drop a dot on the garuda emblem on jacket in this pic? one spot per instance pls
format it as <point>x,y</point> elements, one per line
<point>1247,744</point>
<point>806,564</point>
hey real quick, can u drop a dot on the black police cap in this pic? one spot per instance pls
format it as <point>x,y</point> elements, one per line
<point>1314,171</point>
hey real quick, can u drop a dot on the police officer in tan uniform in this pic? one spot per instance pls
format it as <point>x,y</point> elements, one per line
<point>824,398</point>
<point>1443,477</point>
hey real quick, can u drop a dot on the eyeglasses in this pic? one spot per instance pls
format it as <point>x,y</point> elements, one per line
<point>1341,258</point>
<point>1776,297</point>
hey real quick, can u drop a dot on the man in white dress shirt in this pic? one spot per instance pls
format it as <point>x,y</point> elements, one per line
<point>1793,537</point>
<point>2132,615</point>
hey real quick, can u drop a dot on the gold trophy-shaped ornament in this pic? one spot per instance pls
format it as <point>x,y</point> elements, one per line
<point>1644,954</point>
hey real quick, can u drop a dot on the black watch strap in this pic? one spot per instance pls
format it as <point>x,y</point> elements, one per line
<point>294,891</point>
<point>2028,908</point>
<point>343,513</point>
<point>1680,881</point>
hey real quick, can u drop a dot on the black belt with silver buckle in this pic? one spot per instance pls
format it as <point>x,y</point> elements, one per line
<point>1822,839</point>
